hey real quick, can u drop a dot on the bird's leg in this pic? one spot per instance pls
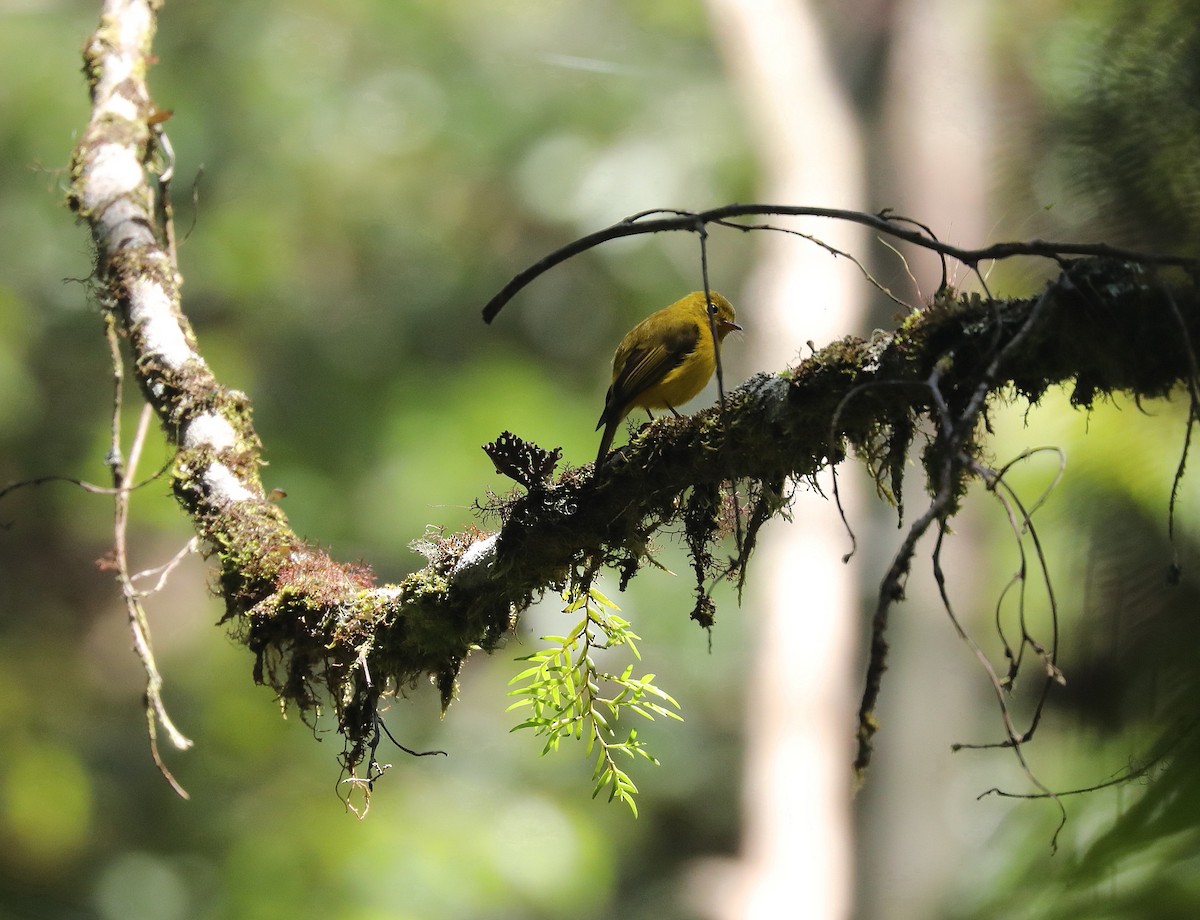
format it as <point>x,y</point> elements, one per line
<point>673,412</point>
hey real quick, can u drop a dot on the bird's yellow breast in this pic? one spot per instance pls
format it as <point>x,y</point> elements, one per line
<point>684,382</point>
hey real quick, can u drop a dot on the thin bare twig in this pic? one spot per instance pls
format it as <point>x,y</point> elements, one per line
<point>833,251</point>
<point>139,626</point>
<point>1193,385</point>
<point>885,222</point>
<point>164,571</point>
<point>954,433</point>
<point>1010,729</point>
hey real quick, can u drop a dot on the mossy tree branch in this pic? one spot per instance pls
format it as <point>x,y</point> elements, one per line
<point>323,631</point>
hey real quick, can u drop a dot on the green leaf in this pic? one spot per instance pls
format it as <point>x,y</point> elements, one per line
<point>662,695</point>
<point>575,603</point>
<point>530,723</point>
<point>568,696</point>
<point>603,778</point>
<point>642,752</point>
<point>595,594</point>
<point>663,711</point>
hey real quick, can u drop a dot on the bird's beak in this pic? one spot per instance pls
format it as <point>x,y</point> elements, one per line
<point>730,326</point>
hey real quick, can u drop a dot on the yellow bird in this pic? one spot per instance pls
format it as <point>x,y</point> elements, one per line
<point>664,360</point>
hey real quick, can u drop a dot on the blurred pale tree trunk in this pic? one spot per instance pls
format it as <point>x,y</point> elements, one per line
<point>938,107</point>
<point>798,848</point>
<point>797,853</point>
<point>936,122</point>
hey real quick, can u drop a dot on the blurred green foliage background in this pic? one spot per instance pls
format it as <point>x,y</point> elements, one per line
<point>354,181</point>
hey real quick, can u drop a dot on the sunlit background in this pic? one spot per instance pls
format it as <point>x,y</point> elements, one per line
<point>354,180</point>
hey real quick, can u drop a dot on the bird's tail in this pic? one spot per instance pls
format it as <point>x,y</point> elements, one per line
<point>610,429</point>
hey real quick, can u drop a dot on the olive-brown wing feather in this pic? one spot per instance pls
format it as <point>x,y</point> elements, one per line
<point>645,367</point>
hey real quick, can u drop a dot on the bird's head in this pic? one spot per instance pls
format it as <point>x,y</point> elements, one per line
<point>720,309</point>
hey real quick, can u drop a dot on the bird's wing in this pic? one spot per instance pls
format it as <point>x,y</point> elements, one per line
<point>642,368</point>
